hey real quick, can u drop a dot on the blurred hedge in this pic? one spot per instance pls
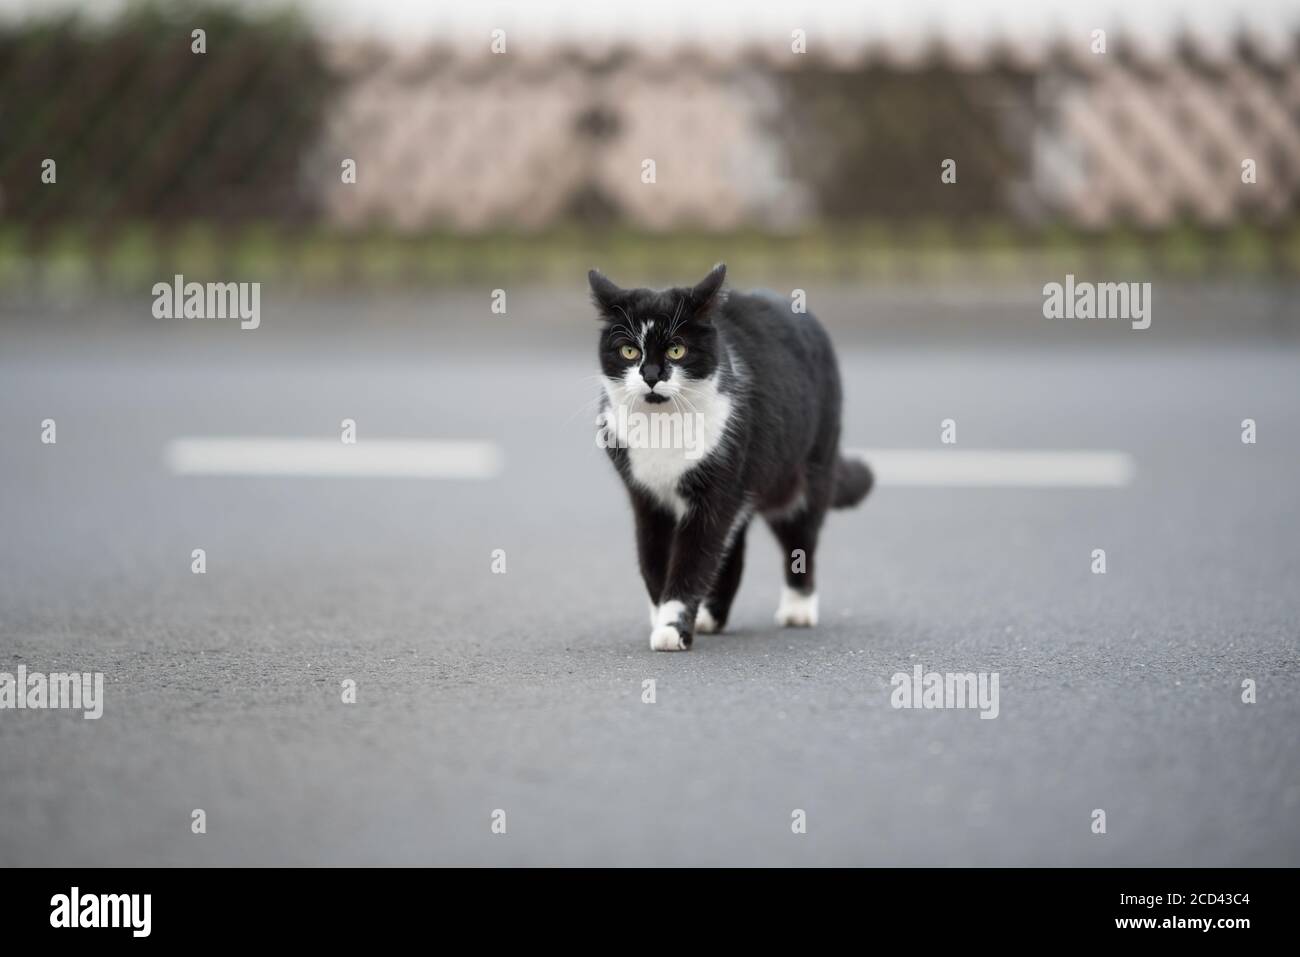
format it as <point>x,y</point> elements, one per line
<point>143,128</point>
<point>72,259</point>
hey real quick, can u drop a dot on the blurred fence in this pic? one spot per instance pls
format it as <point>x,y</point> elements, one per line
<point>141,128</point>
<point>469,163</point>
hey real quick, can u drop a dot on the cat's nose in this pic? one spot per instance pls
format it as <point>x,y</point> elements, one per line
<point>652,373</point>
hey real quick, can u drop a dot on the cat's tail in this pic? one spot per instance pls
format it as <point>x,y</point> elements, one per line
<point>853,480</point>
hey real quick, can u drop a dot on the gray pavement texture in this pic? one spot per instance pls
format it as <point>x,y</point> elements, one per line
<point>522,691</point>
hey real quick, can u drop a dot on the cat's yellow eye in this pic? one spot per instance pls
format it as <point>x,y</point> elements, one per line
<point>629,352</point>
<point>676,352</point>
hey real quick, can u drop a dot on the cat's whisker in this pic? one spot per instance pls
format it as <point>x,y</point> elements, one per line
<point>590,406</point>
<point>625,330</point>
<point>676,320</point>
<point>687,402</point>
<point>676,401</point>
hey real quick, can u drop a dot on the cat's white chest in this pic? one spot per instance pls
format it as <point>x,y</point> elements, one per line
<point>659,472</point>
<point>663,446</point>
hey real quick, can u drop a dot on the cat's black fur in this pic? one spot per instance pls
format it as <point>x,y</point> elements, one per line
<point>779,456</point>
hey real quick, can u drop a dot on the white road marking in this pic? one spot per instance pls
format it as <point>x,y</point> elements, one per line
<point>451,459</point>
<point>331,458</point>
<point>998,468</point>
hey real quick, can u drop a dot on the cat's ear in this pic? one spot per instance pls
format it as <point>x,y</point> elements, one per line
<point>603,292</point>
<point>705,292</point>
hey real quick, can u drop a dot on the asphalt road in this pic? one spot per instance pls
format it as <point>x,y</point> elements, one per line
<point>523,691</point>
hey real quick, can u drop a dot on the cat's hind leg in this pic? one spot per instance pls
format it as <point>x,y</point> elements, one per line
<point>797,532</point>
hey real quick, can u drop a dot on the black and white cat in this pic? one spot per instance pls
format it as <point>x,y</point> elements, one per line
<point>747,394</point>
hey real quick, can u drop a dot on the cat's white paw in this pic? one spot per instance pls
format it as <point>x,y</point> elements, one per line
<point>796,610</point>
<point>665,635</point>
<point>666,638</point>
<point>704,622</point>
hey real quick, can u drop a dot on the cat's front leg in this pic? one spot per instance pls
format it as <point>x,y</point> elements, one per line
<point>654,539</point>
<point>699,546</point>
<point>673,625</point>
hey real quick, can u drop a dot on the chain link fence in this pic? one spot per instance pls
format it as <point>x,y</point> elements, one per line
<point>137,146</point>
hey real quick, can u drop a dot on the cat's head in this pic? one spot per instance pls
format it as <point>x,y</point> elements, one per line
<point>655,343</point>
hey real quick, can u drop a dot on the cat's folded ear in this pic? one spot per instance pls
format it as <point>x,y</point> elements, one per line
<point>603,292</point>
<point>705,292</point>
